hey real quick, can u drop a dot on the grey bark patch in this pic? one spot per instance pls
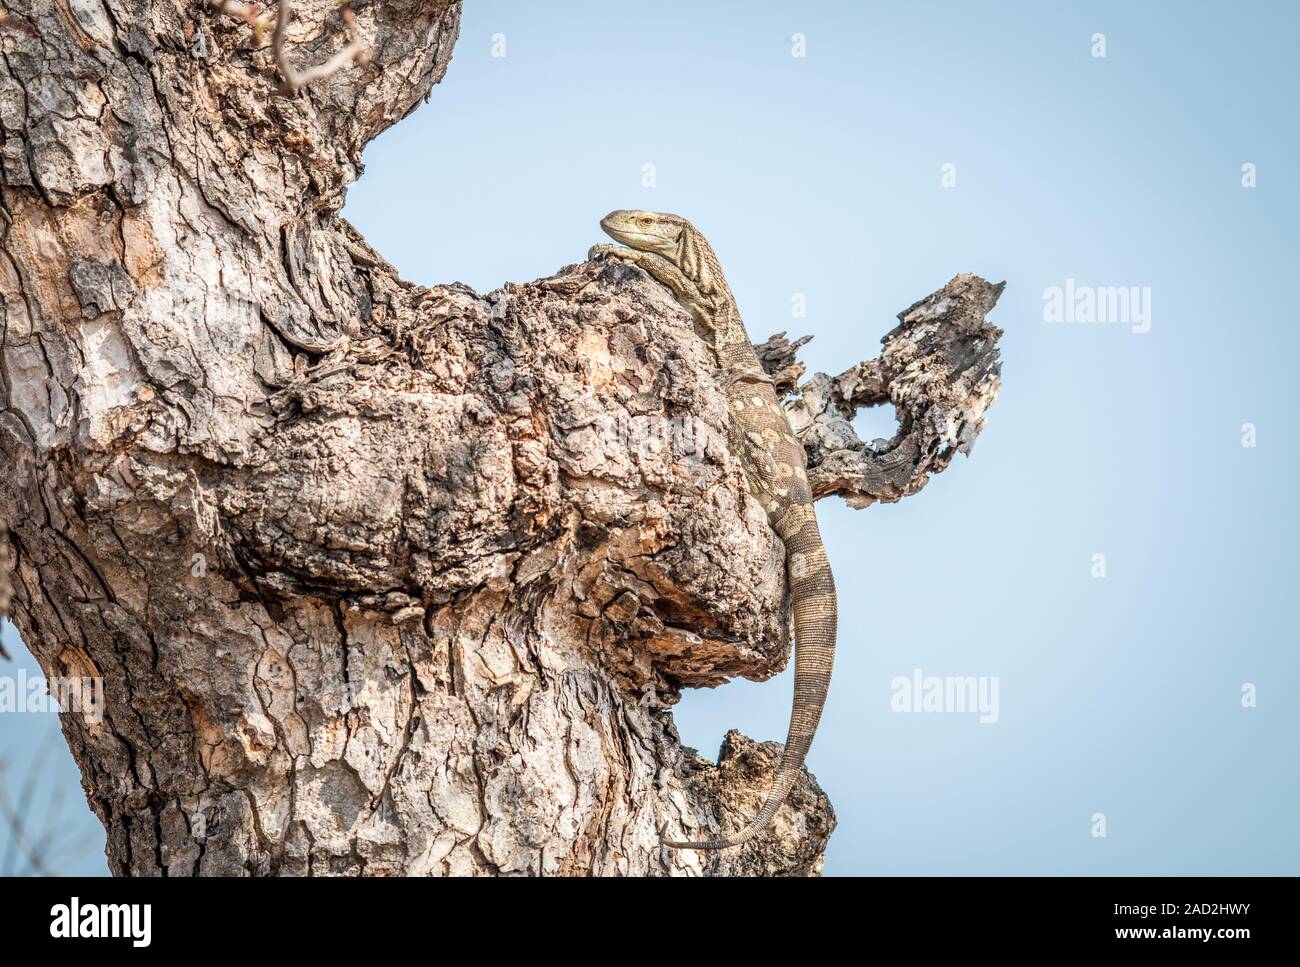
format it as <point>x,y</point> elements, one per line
<point>100,286</point>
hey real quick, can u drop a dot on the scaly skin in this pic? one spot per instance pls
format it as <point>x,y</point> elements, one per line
<point>670,249</point>
<point>6,569</point>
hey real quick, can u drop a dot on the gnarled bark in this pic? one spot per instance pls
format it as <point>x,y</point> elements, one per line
<point>379,579</point>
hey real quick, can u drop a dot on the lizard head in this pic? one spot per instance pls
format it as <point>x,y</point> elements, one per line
<point>676,240</point>
<point>656,232</point>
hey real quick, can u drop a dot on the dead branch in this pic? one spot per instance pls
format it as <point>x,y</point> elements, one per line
<point>939,368</point>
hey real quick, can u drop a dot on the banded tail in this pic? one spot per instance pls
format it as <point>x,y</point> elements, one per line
<point>812,590</point>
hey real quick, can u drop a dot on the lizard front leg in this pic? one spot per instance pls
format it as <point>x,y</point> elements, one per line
<point>661,270</point>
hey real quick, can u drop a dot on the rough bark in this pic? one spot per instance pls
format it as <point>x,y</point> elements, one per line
<point>379,579</point>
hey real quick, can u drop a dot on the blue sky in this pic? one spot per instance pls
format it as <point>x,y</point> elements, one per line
<point>822,175</point>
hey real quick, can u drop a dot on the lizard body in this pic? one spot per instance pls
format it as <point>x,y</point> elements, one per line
<point>673,252</point>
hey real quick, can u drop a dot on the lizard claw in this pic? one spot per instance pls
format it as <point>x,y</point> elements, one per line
<point>731,376</point>
<point>604,248</point>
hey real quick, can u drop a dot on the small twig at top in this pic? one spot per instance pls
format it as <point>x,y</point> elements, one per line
<point>354,51</point>
<point>250,13</point>
<point>292,80</point>
<point>13,23</point>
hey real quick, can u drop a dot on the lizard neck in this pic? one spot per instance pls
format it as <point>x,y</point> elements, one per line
<point>731,343</point>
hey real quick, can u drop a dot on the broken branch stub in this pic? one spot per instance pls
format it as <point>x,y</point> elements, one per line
<point>940,368</point>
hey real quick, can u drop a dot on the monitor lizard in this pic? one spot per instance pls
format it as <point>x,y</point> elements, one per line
<point>672,251</point>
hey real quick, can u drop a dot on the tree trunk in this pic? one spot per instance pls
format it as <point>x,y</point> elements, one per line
<point>380,579</point>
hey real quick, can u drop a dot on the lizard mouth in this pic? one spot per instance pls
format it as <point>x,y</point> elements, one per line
<point>619,230</point>
<point>639,240</point>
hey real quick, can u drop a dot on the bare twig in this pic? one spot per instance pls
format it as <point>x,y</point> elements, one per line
<point>13,816</point>
<point>354,52</point>
<point>250,13</point>
<point>43,838</point>
<point>292,80</point>
<point>13,23</point>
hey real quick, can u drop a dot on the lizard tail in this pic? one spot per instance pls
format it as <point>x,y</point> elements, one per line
<point>813,595</point>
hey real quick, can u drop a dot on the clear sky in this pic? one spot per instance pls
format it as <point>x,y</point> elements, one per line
<point>1118,696</point>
